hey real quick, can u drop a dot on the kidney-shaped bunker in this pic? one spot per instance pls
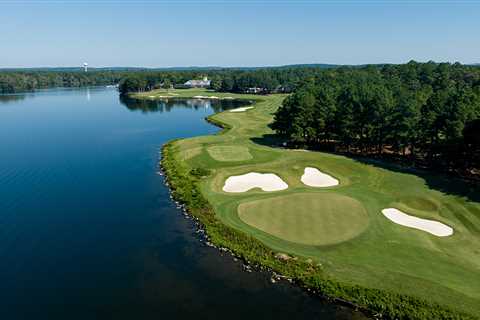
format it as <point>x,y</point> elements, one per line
<point>433,227</point>
<point>245,182</point>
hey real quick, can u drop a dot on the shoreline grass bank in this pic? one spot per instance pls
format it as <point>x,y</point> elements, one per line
<point>375,303</point>
<point>188,181</point>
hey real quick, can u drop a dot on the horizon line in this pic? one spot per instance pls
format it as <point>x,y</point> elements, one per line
<point>229,67</point>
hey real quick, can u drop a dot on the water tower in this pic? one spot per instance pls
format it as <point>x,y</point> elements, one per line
<point>85,66</point>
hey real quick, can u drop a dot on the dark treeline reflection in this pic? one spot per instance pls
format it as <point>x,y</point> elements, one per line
<point>8,98</point>
<point>88,230</point>
<point>147,106</point>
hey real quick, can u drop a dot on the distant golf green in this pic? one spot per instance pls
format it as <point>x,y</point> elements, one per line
<point>229,153</point>
<point>342,228</point>
<point>307,218</point>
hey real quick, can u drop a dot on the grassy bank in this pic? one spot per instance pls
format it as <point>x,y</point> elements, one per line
<point>392,270</point>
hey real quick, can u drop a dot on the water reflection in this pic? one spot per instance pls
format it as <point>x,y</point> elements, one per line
<point>10,98</point>
<point>147,106</point>
<point>87,92</point>
<point>87,227</point>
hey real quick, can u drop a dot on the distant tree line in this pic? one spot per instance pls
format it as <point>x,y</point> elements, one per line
<point>425,112</point>
<point>23,81</point>
<point>267,80</point>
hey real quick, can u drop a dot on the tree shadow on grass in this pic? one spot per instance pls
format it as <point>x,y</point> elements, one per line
<point>443,182</point>
<point>269,140</point>
<point>447,183</point>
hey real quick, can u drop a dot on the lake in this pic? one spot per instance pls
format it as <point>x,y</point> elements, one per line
<point>87,227</point>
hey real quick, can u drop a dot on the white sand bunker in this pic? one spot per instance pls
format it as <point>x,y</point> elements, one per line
<point>315,178</point>
<point>205,97</point>
<point>242,109</point>
<point>245,182</point>
<point>434,227</point>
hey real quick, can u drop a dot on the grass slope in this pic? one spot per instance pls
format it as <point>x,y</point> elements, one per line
<point>388,268</point>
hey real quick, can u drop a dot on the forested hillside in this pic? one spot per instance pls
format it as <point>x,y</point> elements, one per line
<point>424,112</point>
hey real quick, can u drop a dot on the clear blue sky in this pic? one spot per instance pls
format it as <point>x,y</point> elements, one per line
<point>159,33</point>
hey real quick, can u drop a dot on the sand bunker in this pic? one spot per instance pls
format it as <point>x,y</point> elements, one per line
<point>315,178</point>
<point>242,109</point>
<point>205,97</point>
<point>245,182</point>
<point>434,227</point>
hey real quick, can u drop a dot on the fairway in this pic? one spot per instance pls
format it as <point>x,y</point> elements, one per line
<point>307,218</point>
<point>342,227</point>
<point>229,153</point>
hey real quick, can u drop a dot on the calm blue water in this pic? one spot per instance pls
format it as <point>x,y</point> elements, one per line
<point>87,229</point>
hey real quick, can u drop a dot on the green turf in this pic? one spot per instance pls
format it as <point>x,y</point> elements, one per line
<point>192,152</point>
<point>420,203</point>
<point>385,255</point>
<point>229,153</point>
<point>307,218</point>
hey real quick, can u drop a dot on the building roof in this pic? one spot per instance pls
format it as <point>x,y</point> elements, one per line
<point>197,83</point>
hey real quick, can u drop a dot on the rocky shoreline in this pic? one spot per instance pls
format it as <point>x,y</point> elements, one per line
<point>247,265</point>
<point>254,255</point>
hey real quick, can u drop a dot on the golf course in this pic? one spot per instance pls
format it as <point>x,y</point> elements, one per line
<point>323,213</point>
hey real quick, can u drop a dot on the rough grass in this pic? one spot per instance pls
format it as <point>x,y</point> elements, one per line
<point>190,153</point>
<point>420,203</point>
<point>386,258</point>
<point>307,218</point>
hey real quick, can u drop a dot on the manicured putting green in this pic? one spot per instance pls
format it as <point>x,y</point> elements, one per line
<point>307,218</point>
<point>229,153</point>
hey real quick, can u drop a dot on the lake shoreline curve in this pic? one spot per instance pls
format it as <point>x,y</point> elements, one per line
<point>375,303</point>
